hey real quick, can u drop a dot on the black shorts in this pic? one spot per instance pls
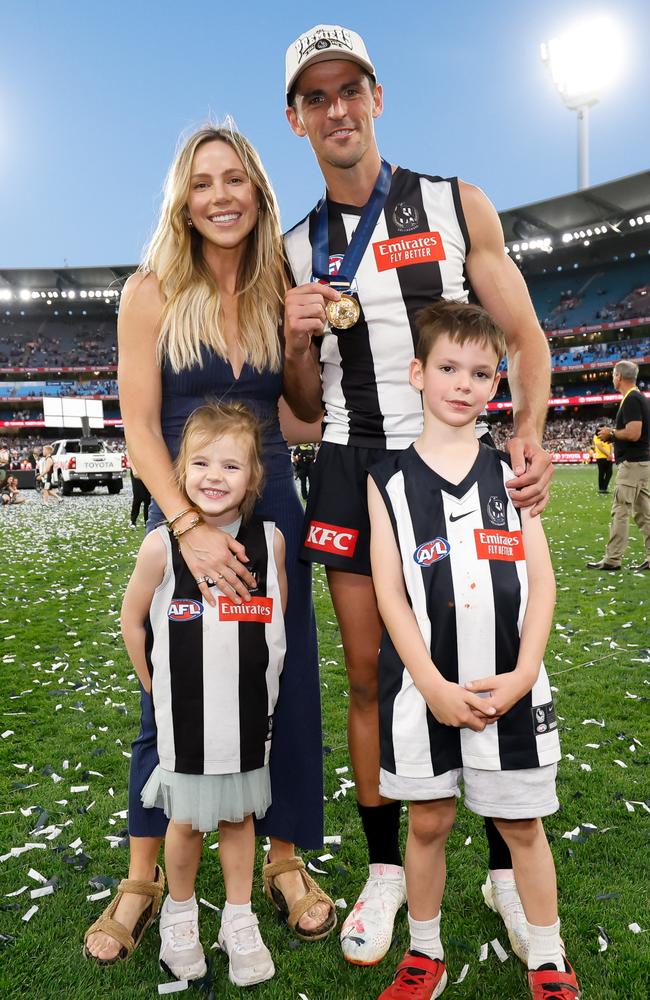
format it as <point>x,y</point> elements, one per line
<point>337,526</point>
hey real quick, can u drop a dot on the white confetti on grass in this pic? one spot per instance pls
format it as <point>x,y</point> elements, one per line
<point>499,951</point>
<point>178,987</point>
<point>45,890</point>
<point>463,973</point>
<point>30,913</point>
<point>483,954</point>
<point>94,896</point>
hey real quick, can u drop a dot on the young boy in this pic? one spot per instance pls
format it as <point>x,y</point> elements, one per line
<point>46,473</point>
<point>466,591</point>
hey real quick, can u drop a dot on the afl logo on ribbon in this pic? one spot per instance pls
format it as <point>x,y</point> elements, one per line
<point>431,552</point>
<point>184,611</point>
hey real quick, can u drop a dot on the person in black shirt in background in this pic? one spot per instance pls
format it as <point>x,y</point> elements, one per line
<point>631,437</point>
<point>303,457</point>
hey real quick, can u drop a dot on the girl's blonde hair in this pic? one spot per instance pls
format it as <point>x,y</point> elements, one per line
<point>192,312</point>
<point>215,420</point>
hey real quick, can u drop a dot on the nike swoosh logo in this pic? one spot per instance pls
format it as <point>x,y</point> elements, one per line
<point>457,517</point>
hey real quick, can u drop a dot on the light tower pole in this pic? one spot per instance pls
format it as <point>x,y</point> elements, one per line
<point>582,63</point>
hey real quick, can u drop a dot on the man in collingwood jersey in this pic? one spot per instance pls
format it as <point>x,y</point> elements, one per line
<point>394,241</point>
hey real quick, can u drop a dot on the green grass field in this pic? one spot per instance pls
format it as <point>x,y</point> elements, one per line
<point>70,709</point>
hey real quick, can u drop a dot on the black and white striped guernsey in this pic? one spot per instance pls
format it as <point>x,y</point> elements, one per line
<point>415,256</point>
<point>465,575</point>
<point>216,671</point>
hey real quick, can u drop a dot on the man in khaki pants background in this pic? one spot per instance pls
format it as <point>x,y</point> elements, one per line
<point>631,437</point>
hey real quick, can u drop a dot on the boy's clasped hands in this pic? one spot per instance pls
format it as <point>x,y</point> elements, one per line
<point>478,703</point>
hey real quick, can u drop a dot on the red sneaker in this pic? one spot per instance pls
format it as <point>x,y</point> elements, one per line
<point>549,984</point>
<point>417,978</point>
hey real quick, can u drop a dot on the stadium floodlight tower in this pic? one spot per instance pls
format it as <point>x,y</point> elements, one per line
<point>583,64</point>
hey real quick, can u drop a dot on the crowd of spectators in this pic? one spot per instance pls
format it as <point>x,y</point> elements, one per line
<point>634,305</point>
<point>607,353</point>
<point>28,390</point>
<point>61,345</point>
<point>562,433</point>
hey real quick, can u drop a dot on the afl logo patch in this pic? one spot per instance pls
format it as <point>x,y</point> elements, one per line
<point>496,511</point>
<point>431,552</point>
<point>333,266</point>
<point>406,217</point>
<point>184,611</point>
<point>322,43</point>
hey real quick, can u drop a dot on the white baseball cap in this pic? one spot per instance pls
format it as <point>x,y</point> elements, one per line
<point>321,44</point>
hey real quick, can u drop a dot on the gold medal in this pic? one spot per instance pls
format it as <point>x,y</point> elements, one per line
<point>343,314</point>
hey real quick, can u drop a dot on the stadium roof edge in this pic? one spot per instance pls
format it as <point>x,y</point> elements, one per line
<point>65,278</point>
<point>615,200</point>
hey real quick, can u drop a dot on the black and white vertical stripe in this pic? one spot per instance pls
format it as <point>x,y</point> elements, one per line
<point>215,683</point>
<point>469,611</point>
<point>367,397</point>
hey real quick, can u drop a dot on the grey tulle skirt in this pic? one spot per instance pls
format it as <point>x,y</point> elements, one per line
<point>202,800</point>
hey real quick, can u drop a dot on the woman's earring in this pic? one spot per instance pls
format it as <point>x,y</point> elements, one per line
<point>190,224</point>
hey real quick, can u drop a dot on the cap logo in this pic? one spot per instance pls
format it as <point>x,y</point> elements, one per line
<point>317,41</point>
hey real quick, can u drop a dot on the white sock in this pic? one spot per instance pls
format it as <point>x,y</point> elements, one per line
<point>425,937</point>
<point>545,946</point>
<point>179,905</point>
<point>231,910</point>
<point>502,874</point>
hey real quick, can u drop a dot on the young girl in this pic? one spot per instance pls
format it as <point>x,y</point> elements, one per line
<point>11,493</point>
<point>214,675</point>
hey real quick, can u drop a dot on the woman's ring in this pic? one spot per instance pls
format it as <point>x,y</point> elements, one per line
<point>219,576</point>
<point>205,579</point>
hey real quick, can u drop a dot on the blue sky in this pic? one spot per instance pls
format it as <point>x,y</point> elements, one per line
<point>94,95</point>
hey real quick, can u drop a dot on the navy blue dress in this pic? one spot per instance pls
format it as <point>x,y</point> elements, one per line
<point>296,814</point>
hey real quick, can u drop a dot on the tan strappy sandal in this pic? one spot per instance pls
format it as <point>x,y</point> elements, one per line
<point>108,925</point>
<point>314,894</point>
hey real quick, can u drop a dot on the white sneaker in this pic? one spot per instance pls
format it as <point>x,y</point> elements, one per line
<point>503,898</point>
<point>250,960</point>
<point>181,954</point>
<point>367,932</point>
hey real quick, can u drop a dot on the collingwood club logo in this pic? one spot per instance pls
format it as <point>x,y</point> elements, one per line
<point>406,217</point>
<point>496,511</point>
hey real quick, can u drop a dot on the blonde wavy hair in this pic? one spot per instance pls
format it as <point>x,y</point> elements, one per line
<point>192,311</point>
<point>215,420</point>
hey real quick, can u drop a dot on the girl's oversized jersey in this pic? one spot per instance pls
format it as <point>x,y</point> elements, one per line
<point>415,256</point>
<point>215,671</point>
<point>465,574</point>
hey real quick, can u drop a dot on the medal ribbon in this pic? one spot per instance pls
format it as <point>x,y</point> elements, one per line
<point>360,238</point>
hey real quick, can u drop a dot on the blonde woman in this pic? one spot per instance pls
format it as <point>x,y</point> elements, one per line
<point>199,321</point>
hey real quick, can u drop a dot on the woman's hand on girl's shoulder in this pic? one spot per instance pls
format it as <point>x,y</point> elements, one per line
<point>214,553</point>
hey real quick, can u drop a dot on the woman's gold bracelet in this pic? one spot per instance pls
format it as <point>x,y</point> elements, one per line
<point>197,520</point>
<point>172,520</point>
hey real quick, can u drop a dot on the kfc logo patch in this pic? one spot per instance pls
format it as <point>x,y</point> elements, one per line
<point>502,546</point>
<point>332,538</point>
<point>431,552</point>
<point>184,611</point>
<point>400,251</point>
<point>260,609</point>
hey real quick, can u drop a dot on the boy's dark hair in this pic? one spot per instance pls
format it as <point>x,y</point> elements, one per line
<point>461,322</point>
